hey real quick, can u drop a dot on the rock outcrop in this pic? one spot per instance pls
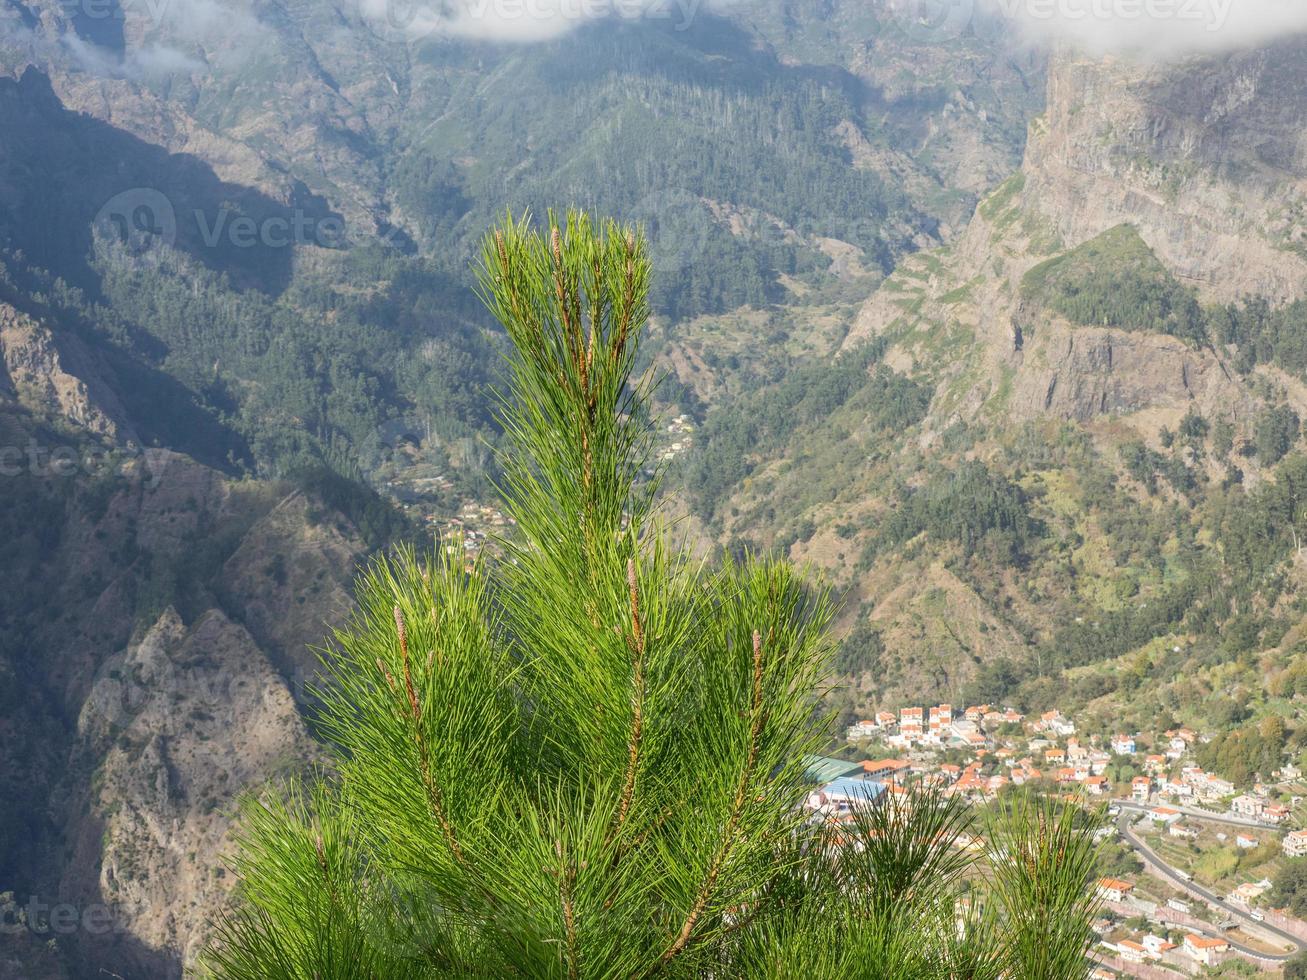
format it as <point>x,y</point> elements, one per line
<point>56,378</point>
<point>176,728</point>
<point>1206,161</point>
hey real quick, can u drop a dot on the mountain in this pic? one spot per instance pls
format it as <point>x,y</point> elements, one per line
<point>1066,446</point>
<point>144,685</point>
<point>1010,348</point>
<point>235,303</point>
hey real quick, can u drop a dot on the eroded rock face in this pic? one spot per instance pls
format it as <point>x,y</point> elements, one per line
<point>134,737</point>
<point>290,576</point>
<point>1079,373</point>
<point>1207,159</point>
<point>177,727</point>
<point>56,378</point>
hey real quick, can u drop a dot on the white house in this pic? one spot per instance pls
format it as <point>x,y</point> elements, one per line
<point>1157,945</point>
<point>1295,844</point>
<point>1207,951</point>
<point>1114,889</point>
<point>862,729</point>
<point>1247,805</point>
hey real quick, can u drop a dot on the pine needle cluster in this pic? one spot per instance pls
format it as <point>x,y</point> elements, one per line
<point>586,759</point>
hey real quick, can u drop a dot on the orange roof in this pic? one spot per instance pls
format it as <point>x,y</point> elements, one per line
<point>880,765</point>
<point>1203,942</point>
<point>1115,884</point>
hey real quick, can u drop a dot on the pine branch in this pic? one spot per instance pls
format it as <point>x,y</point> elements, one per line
<point>637,707</point>
<point>758,715</point>
<point>435,797</point>
<point>566,885</point>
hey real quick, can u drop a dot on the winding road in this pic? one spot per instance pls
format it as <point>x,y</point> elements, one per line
<point>1198,891</point>
<point>1197,814</point>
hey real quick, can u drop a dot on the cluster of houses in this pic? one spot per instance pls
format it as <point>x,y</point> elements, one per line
<point>680,431</point>
<point>999,747</point>
<point>477,525</point>
<point>936,727</point>
<point>1047,748</point>
<point>1194,950</point>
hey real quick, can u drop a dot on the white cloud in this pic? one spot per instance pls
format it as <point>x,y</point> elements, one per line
<point>408,21</point>
<point>151,61</point>
<point>1156,28</point>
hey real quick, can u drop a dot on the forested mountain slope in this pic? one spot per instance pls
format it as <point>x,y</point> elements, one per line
<point>234,246</point>
<point>1059,461</point>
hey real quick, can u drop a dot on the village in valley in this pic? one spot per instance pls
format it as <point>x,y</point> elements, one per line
<point>413,469</point>
<point>1188,858</point>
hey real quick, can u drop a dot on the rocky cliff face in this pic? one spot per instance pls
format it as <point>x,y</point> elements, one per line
<point>153,637</point>
<point>56,379</point>
<point>1206,161</point>
<point>176,728</point>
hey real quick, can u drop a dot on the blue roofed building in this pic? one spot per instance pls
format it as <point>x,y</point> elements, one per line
<point>846,793</point>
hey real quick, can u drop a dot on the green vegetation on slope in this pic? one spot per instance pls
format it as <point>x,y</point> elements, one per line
<point>757,425</point>
<point>1115,280</point>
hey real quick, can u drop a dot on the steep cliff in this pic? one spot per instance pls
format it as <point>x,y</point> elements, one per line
<point>1073,414</point>
<point>137,707</point>
<point>1204,162</point>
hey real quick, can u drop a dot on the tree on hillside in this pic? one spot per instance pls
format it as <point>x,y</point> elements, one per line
<point>1277,432</point>
<point>1296,968</point>
<point>1290,888</point>
<point>587,760</point>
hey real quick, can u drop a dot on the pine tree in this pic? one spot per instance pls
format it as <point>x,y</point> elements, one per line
<point>586,759</point>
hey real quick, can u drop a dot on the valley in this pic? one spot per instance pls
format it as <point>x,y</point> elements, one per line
<point>1007,343</point>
